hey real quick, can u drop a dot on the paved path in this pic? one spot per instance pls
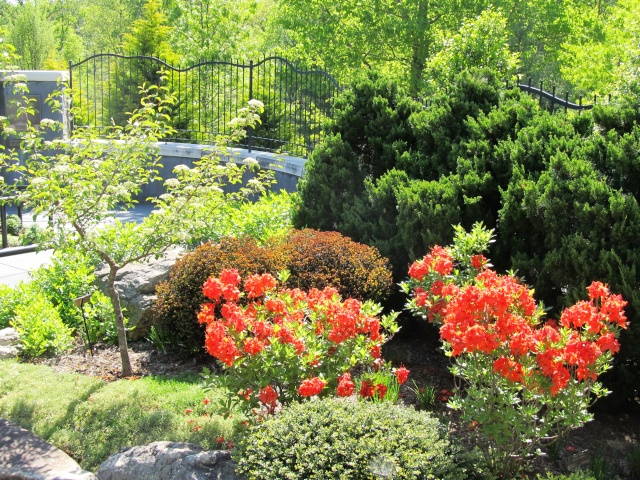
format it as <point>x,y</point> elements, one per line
<point>15,268</point>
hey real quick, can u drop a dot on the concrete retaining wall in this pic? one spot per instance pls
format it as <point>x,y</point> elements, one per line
<point>288,170</point>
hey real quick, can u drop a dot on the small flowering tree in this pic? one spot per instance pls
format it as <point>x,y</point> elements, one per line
<point>277,345</point>
<point>525,380</point>
<point>80,184</point>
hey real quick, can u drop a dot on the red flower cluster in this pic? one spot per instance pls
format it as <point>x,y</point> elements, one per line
<point>369,390</point>
<point>268,396</point>
<point>478,262</point>
<point>345,386</point>
<point>311,386</point>
<point>496,315</point>
<point>317,324</point>
<point>401,374</point>
<point>439,261</point>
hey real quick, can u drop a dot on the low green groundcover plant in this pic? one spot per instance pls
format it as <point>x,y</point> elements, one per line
<point>342,439</point>
<point>76,413</point>
<point>43,312</point>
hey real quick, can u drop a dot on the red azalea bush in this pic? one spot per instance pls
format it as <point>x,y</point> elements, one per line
<point>180,296</point>
<point>314,259</point>
<point>283,344</point>
<point>525,380</point>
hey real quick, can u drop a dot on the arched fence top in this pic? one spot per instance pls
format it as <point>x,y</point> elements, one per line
<point>209,94</point>
<point>202,63</point>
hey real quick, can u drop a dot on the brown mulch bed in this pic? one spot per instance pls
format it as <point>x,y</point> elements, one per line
<point>610,436</point>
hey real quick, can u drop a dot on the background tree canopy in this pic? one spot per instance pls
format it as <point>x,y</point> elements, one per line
<point>586,46</point>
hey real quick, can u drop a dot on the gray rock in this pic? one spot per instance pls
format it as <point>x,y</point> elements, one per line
<point>9,343</point>
<point>168,460</point>
<point>9,352</point>
<point>136,284</point>
<point>25,456</point>
<point>9,337</point>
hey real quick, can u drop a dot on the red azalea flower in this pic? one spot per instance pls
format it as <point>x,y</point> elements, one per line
<point>268,395</point>
<point>212,288</point>
<point>345,386</point>
<point>311,386</point>
<point>230,276</point>
<point>366,390</point>
<point>401,374</point>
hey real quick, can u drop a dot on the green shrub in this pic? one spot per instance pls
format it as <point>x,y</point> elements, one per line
<point>40,328</point>
<point>180,296</point>
<point>321,259</point>
<point>8,303</point>
<point>13,298</point>
<point>269,216</point>
<point>332,180</point>
<point>335,439</point>
<point>33,235</point>
<point>570,227</point>
<point>70,275</point>
<point>14,225</point>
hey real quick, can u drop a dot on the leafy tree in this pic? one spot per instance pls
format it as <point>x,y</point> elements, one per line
<point>82,186</point>
<point>396,37</point>
<point>480,43</point>
<point>149,35</point>
<point>213,29</point>
<point>32,34</point>
<point>603,54</point>
<point>104,23</point>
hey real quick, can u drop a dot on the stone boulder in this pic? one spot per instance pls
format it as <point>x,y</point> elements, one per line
<point>25,456</point>
<point>168,460</point>
<point>9,343</point>
<point>136,283</point>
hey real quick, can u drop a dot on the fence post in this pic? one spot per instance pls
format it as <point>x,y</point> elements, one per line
<point>250,129</point>
<point>3,222</point>
<point>540,96</point>
<point>70,98</point>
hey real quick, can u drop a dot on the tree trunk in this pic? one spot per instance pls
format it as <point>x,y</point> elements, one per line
<point>117,310</point>
<point>419,48</point>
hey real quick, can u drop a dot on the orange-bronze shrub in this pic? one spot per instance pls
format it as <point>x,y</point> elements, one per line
<point>319,259</point>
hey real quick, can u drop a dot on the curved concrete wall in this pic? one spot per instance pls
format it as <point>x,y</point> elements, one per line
<point>288,170</point>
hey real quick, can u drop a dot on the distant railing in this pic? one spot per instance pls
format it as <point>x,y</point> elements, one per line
<point>209,94</point>
<point>555,100</point>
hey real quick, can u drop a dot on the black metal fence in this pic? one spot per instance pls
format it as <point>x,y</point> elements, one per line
<point>551,99</point>
<point>209,94</point>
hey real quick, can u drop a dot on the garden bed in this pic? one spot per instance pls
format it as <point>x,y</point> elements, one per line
<point>603,444</point>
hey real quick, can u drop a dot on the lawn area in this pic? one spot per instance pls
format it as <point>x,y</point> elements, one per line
<point>91,419</point>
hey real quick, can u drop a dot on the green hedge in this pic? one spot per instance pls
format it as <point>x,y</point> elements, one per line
<point>337,439</point>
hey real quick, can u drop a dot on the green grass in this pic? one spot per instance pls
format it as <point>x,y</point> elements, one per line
<point>91,420</point>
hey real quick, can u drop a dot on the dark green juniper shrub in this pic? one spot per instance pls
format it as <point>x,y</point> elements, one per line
<point>337,439</point>
<point>560,189</point>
